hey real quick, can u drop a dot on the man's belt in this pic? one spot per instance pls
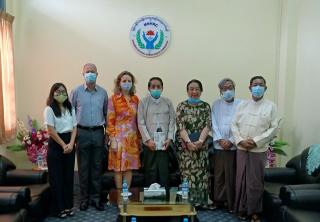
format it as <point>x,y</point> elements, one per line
<point>91,128</point>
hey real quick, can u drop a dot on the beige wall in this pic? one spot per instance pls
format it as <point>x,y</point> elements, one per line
<point>299,74</point>
<point>307,106</point>
<point>287,73</point>
<point>211,39</point>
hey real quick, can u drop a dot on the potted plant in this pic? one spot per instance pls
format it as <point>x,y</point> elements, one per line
<point>275,147</point>
<point>33,139</point>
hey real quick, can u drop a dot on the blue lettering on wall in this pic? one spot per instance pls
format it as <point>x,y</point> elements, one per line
<point>151,23</point>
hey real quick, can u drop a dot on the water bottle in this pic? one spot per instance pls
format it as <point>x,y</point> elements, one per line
<point>185,188</point>
<point>133,219</point>
<point>185,219</point>
<point>40,161</point>
<point>125,190</point>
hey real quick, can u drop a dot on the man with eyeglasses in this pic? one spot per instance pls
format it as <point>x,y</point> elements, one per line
<point>223,111</point>
<point>156,122</point>
<point>90,102</point>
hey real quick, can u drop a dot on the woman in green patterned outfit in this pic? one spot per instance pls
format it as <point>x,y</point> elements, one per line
<point>193,126</point>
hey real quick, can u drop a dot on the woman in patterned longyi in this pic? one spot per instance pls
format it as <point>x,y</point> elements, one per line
<point>193,126</point>
<point>123,130</point>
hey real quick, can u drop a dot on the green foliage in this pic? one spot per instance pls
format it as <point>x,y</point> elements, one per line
<point>278,143</point>
<point>16,147</point>
<point>35,125</point>
<point>20,136</point>
<point>138,38</point>
<point>157,46</point>
<point>279,151</point>
<point>277,147</point>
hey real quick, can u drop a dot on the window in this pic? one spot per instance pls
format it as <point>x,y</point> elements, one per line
<point>7,93</point>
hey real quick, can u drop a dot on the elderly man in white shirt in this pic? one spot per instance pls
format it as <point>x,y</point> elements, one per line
<point>254,126</point>
<point>223,111</point>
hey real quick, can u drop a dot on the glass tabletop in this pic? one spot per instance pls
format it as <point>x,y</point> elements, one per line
<point>139,195</point>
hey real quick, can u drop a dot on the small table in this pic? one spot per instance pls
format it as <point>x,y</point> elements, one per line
<point>170,206</point>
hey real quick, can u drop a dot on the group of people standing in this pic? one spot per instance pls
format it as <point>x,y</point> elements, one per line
<point>88,119</point>
<point>242,131</point>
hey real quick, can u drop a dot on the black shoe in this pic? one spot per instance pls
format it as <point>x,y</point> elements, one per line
<point>69,212</point>
<point>206,207</point>
<point>197,207</point>
<point>242,216</point>
<point>84,205</point>
<point>62,215</point>
<point>212,207</point>
<point>99,206</point>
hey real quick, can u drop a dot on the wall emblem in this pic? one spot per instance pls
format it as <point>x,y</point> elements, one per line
<point>150,35</point>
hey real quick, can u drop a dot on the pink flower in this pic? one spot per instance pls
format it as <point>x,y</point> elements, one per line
<point>34,139</point>
<point>39,135</point>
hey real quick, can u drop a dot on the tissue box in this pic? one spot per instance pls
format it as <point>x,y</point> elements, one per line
<point>154,193</point>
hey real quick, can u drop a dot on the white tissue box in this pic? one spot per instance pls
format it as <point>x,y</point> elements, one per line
<point>154,192</point>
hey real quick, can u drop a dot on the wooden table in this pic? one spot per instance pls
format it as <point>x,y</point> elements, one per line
<point>170,206</point>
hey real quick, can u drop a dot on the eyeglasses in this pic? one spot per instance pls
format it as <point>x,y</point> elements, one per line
<point>60,93</point>
<point>227,88</point>
<point>258,84</point>
<point>194,89</point>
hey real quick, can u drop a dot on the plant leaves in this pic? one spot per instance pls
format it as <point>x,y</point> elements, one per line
<point>279,151</point>
<point>15,147</point>
<point>35,124</point>
<point>20,136</point>
<point>279,143</point>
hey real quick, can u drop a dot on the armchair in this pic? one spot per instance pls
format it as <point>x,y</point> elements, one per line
<point>28,188</point>
<point>294,173</point>
<point>301,203</point>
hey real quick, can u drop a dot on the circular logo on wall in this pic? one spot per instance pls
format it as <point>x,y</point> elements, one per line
<point>150,35</point>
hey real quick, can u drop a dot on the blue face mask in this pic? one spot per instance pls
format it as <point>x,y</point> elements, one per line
<point>90,77</point>
<point>194,100</point>
<point>257,91</point>
<point>228,95</point>
<point>126,86</point>
<point>155,93</point>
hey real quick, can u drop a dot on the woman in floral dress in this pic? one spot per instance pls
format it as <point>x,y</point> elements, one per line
<point>123,130</point>
<point>193,126</point>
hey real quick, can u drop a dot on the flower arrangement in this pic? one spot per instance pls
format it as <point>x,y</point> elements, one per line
<point>275,147</point>
<point>33,139</point>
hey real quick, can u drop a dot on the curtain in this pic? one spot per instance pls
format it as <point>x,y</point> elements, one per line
<point>7,91</point>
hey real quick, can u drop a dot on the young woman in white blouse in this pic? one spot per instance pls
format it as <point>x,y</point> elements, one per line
<point>61,123</point>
